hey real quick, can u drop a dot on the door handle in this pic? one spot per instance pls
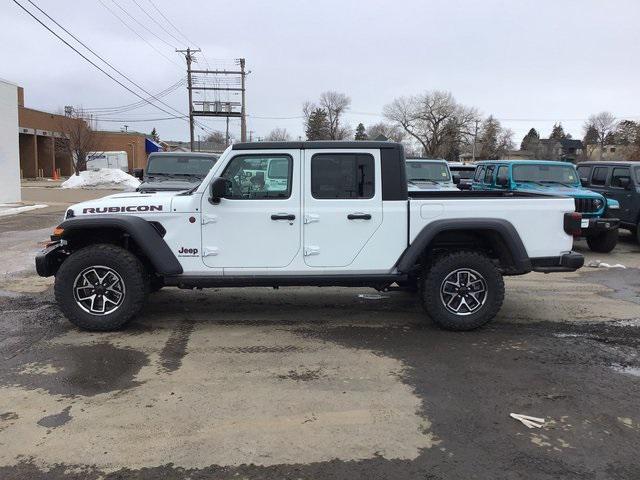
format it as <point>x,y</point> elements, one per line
<point>359,216</point>
<point>283,216</point>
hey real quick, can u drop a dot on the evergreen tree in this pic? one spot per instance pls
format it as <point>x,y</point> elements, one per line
<point>154,135</point>
<point>361,133</point>
<point>558,132</point>
<point>530,140</point>
<point>318,125</point>
<point>591,136</point>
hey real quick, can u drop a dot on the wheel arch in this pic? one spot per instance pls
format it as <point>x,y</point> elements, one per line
<point>478,233</point>
<point>145,236</point>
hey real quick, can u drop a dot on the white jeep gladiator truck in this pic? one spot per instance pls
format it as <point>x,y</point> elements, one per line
<point>339,215</point>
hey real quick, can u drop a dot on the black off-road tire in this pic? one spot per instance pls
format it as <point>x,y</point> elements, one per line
<point>637,232</point>
<point>442,268</point>
<point>603,242</point>
<point>127,265</point>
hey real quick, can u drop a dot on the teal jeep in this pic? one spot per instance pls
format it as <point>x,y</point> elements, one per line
<point>558,179</point>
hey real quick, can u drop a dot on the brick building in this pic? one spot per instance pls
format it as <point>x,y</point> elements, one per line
<point>39,131</point>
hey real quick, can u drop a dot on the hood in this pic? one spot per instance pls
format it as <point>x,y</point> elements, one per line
<point>417,186</point>
<point>133,203</point>
<point>575,192</point>
<point>168,185</point>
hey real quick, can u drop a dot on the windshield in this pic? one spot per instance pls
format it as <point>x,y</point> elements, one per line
<point>180,165</point>
<point>560,174</point>
<point>427,171</point>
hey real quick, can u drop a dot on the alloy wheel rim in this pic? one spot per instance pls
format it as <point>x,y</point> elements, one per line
<point>463,292</point>
<point>99,290</point>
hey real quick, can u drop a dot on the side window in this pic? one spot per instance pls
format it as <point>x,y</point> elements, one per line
<point>488,176</point>
<point>342,175</point>
<point>620,177</point>
<point>258,177</point>
<point>503,172</point>
<point>479,174</point>
<point>599,176</point>
<point>584,171</point>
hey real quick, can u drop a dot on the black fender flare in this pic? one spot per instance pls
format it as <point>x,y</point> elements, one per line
<point>502,227</point>
<point>141,231</point>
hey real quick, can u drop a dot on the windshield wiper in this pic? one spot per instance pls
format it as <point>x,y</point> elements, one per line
<point>559,183</point>
<point>424,180</point>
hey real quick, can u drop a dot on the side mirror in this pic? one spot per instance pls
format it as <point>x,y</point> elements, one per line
<point>456,178</point>
<point>218,189</point>
<point>584,181</point>
<point>138,173</point>
<point>464,186</point>
<point>502,181</point>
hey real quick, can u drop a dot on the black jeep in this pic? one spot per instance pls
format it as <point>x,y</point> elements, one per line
<point>620,181</point>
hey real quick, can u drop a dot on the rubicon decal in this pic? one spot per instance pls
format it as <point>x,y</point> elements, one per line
<point>187,252</point>
<point>127,209</point>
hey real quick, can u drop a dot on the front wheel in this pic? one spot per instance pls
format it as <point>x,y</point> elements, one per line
<point>603,242</point>
<point>101,287</point>
<point>462,291</point>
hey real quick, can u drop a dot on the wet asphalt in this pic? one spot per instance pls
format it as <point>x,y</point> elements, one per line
<point>581,376</point>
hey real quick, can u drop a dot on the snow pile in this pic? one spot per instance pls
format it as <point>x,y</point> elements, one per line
<point>102,178</point>
<point>14,208</point>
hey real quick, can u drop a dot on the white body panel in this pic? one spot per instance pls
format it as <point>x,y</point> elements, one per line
<point>238,237</point>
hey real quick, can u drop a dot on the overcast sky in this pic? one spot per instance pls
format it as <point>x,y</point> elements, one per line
<point>538,60</point>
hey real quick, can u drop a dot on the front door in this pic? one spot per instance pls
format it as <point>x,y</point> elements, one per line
<point>257,223</point>
<point>342,205</point>
<point>620,190</point>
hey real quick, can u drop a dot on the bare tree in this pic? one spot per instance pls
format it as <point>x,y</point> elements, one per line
<point>334,105</point>
<point>79,138</point>
<point>601,126</point>
<point>392,132</point>
<point>434,119</point>
<point>278,135</point>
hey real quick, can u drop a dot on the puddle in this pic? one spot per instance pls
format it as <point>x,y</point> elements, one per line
<point>635,371</point>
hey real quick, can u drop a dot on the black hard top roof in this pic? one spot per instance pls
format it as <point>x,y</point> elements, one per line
<point>626,163</point>
<point>333,144</point>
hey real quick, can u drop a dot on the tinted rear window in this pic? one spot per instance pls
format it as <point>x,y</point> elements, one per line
<point>342,175</point>
<point>599,176</point>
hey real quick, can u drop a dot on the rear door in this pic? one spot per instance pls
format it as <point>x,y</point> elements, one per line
<point>342,204</point>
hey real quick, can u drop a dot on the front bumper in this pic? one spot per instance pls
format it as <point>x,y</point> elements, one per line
<point>596,226</point>
<point>48,260</point>
<point>567,262</point>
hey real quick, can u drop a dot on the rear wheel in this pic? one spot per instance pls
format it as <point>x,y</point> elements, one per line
<point>603,242</point>
<point>101,287</point>
<point>462,291</point>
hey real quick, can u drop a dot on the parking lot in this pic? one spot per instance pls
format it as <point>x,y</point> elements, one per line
<point>320,382</point>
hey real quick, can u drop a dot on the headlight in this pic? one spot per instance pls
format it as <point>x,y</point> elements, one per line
<point>611,204</point>
<point>598,203</point>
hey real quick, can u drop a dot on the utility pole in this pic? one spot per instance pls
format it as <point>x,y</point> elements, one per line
<point>475,139</point>
<point>243,111</point>
<point>226,137</point>
<point>188,55</point>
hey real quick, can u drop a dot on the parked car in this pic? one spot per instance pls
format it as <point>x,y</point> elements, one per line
<point>429,174</point>
<point>343,218</point>
<point>174,171</point>
<point>619,181</point>
<point>555,178</point>
<point>462,174</point>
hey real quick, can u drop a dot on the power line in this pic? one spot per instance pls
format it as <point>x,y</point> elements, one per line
<point>93,63</point>
<point>133,106</point>
<point>189,42</point>
<point>153,19</point>
<point>126,12</point>
<point>110,10</point>
<point>129,120</point>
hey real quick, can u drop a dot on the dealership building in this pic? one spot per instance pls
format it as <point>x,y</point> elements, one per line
<point>39,131</point>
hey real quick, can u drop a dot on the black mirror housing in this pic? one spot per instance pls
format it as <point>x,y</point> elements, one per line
<point>584,181</point>
<point>138,173</point>
<point>218,189</point>
<point>456,178</point>
<point>502,181</point>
